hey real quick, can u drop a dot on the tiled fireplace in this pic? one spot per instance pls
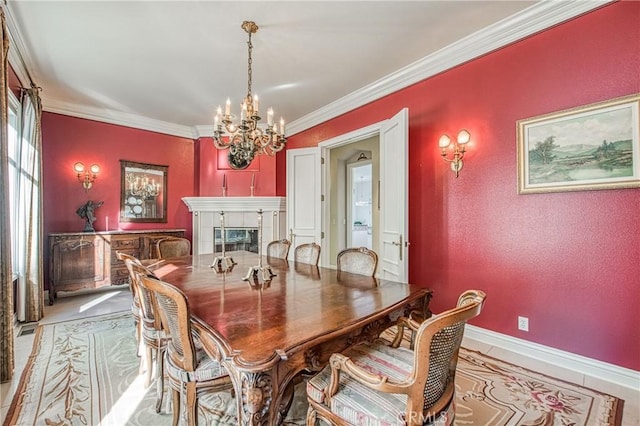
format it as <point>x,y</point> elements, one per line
<point>241,214</point>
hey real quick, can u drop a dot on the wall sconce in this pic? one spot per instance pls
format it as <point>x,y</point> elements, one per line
<point>86,177</point>
<point>458,150</point>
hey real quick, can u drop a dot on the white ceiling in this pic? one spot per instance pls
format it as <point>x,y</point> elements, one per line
<point>166,65</point>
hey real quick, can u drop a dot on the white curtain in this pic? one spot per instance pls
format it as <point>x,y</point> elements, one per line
<point>30,300</point>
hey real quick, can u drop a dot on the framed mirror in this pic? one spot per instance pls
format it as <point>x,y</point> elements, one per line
<point>143,192</point>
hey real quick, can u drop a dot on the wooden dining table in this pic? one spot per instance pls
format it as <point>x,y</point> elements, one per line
<point>267,334</point>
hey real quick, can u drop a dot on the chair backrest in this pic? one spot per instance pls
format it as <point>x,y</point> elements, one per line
<point>128,261</point>
<point>148,306</point>
<point>279,249</point>
<point>358,261</point>
<point>173,247</point>
<point>176,316</point>
<point>307,253</point>
<point>436,353</point>
<point>120,255</point>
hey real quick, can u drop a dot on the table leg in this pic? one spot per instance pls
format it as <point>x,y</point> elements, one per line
<point>261,399</point>
<point>254,393</point>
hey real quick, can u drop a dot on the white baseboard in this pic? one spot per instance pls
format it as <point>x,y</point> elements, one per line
<point>587,366</point>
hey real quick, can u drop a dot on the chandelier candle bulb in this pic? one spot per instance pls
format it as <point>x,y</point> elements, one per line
<point>270,117</point>
<point>282,126</point>
<point>243,112</point>
<point>227,108</point>
<point>255,105</point>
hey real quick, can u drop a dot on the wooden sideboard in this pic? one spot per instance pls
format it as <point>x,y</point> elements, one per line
<point>86,260</point>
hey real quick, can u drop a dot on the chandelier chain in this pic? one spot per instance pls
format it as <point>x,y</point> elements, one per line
<point>250,70</point>
<point>245,138</point>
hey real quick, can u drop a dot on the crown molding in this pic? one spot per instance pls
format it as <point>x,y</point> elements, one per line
<point>203,131</point>
<point>118,118</point>
<point>18,53</point>
<point>534,19</point>
<point>540,16</point>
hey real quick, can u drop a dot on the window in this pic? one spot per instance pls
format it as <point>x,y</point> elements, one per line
<point>14,174</point>
<point>24,184</point>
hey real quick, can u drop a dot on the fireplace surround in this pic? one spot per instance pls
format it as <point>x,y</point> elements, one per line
<point>239,212</point>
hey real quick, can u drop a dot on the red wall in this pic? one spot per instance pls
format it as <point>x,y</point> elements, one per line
<point>66,140</point>
<point>195,168</point>
<point>570,262</point>
<point>212,165</point>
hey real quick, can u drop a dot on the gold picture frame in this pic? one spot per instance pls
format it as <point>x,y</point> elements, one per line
<point>143,192</point>
<point>595,146</point>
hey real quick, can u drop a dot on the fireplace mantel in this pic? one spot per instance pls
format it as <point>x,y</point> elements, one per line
<point>234,204</point>
<point>239,212</point>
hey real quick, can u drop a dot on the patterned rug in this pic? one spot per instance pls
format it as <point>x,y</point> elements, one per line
<point>85,372</point>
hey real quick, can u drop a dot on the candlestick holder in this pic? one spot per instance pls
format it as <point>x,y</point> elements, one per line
<point>259,273</point>
<point>222,263</point>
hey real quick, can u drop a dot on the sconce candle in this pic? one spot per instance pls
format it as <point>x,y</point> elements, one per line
<point>458,150</point>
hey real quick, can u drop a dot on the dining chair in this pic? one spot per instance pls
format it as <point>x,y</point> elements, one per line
<point>190,370</point>
<point>173,247</point>
<point>307,253</point>
<point>154,337</point>
<point>358,261</point>
<point>135,301</point>
<point>378,383</point>
<point>278,249</point>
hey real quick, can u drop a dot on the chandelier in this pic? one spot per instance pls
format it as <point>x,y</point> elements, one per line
<point>142,187</point>
<point>247,138</point>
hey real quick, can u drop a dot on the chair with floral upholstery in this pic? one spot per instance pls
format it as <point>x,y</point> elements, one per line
<point>358,261</point>
<point>190,370</point>
<point>307,253</point>
<point>386,384</point>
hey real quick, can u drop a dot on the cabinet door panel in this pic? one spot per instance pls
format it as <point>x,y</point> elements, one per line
<point>80,260</point>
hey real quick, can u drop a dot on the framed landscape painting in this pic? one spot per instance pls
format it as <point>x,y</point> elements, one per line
<point>596,146</point>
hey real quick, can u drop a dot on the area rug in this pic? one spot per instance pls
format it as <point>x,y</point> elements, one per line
<point>85,372</point>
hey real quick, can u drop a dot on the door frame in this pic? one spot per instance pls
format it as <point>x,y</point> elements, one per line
<point>325,152</point>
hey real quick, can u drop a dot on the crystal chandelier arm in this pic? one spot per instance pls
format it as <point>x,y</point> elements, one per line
<point>219,142</point>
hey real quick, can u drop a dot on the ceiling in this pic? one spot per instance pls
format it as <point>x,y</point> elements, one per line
<point>167,65</point>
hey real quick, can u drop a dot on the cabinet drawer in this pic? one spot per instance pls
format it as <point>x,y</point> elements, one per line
<point>124,243</point>
<point>119,276</point>
<point>130,251</point>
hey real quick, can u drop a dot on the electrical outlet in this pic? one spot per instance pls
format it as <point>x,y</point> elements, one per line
<point>523,323</point>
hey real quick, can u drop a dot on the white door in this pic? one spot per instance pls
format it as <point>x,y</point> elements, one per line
<point>304,208</point>
<point>394,138</point>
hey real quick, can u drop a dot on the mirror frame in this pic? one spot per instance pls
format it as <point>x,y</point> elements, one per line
<point>127,167</point>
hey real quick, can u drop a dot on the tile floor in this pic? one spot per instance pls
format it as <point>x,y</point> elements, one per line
<point>102,302</point>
